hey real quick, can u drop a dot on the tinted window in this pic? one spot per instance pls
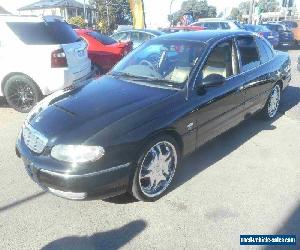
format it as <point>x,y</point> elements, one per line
<point>102,38</point>
<point>225,26</point>
<point>268,48</point>
<point>162,62</point>
<point>248,53</point>
<point>263,53</point>
<point>44,33</point>
<point>219,61</point>
<point>211,26</point>
<point>123,36</point>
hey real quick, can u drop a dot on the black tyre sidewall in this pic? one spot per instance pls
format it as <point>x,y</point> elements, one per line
<point>135,186</point>
<point>27,80</point>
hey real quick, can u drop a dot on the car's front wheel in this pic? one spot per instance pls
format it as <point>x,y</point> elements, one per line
<point>21,93</point>
<point>271,108</point>
<point>155,169</point>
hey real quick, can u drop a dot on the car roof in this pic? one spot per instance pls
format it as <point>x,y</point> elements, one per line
<point>205,36</point>
<point>154,32</point>
<point>19,18</point>
<point>213,20</point>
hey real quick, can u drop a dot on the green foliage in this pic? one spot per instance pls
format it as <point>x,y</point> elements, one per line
<point>235,14</point>
<point>268,5</point>
<point>77,20</point>
<point>264,6</point>
<point>118,14</point>
<point>198,8</point>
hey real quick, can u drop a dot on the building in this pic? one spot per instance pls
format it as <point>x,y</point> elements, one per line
<point>3,11</point>
<point>63,8</point>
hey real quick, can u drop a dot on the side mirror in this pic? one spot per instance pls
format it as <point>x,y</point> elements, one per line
<point>213,80</point>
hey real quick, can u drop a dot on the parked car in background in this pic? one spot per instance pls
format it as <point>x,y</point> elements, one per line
<point>286,37</point>
<point>182,28</point>
<point>136,36</point>
<point>271,36</point>
<point>294,26</point>
<point>128,130</point>
<point>103,51</point>
<point>38,56</point>
<point>217,24</point>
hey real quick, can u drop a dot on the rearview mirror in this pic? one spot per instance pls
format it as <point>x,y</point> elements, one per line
<point>213,80</point>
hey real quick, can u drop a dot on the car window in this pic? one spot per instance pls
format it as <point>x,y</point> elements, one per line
<point>43,33</point>
<point>268,48</point>
<point>248,53</point>
<point>123,36</point>
<point>145,37</point>
<point>262,51</point>
<point>161,62</point>
<point>211,25</point>
<point>220,61</point>
<point>101,38</point>
<point>224,26</point>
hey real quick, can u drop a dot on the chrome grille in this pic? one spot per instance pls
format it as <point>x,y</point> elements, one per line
<point>33,139</point>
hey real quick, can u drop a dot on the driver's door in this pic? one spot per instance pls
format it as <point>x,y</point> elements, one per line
<point>220,108</point>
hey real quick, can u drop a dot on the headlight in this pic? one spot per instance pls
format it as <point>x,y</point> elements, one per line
<point>77,153</point>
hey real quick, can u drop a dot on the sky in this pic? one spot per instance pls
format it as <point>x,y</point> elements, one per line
<point>156,10</point>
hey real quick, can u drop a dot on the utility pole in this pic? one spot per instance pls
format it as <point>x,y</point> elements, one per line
<point>107,15</point>
<point>251,11</point>
<point>84,11</point>
<point>171,3</point>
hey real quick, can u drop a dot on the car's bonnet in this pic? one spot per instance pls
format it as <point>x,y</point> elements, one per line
<point>88,110</point>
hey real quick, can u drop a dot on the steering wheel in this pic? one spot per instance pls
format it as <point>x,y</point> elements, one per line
<point>147,63</point>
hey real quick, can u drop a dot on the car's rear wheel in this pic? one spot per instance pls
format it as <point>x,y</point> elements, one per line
<point>97,70</point>
<point>156,169</point>
<point>21,93</point>
<point>271,108</point>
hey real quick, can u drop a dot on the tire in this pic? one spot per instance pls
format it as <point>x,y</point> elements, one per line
<point>97,70</point>
<point>271,107</point>
<point>22,93</point>
<point>163,149</point>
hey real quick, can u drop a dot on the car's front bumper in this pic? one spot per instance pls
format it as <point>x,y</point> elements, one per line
<point>102,183</point>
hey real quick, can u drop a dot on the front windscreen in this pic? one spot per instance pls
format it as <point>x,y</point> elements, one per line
<point>161,62</point>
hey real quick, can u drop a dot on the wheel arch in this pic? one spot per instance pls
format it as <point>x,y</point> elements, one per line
<point>5,79</point>
<point>167,131</point>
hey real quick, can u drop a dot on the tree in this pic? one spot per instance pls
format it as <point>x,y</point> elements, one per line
<point>198,9</point>
<point>77,20</point>
<point>112,13</point>
<point>268,5</point>
<point>264,6</point>
<point>244,7</point>
<point>235,14</point>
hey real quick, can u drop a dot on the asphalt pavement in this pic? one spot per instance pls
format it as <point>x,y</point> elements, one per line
<point>244,182</point>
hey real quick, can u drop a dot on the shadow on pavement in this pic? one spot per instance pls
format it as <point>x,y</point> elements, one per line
<point>121,199</point>
<point>113,239</point>
<point>218,148</point>
<point>290,227</point>
<point>3,103</point>
<point>19,202</point>
<point>290,98</point>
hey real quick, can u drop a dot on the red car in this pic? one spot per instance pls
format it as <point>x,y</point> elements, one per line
<point>103,51</point>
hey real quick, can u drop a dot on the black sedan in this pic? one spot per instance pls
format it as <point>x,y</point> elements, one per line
<point>128,130</point>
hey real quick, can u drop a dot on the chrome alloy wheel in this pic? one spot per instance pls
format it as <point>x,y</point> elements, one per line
<point>158,169</point>
<point>21,95</point>
<point>274,101</point>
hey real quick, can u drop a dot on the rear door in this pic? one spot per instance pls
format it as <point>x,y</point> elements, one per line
<point>255,68</point>
<point>221,107</point>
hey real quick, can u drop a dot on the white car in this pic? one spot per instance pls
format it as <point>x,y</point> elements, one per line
<point>39,55</point>
<point>217,24</point>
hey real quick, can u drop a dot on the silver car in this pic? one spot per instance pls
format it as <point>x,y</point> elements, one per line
<point>137,36</point>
